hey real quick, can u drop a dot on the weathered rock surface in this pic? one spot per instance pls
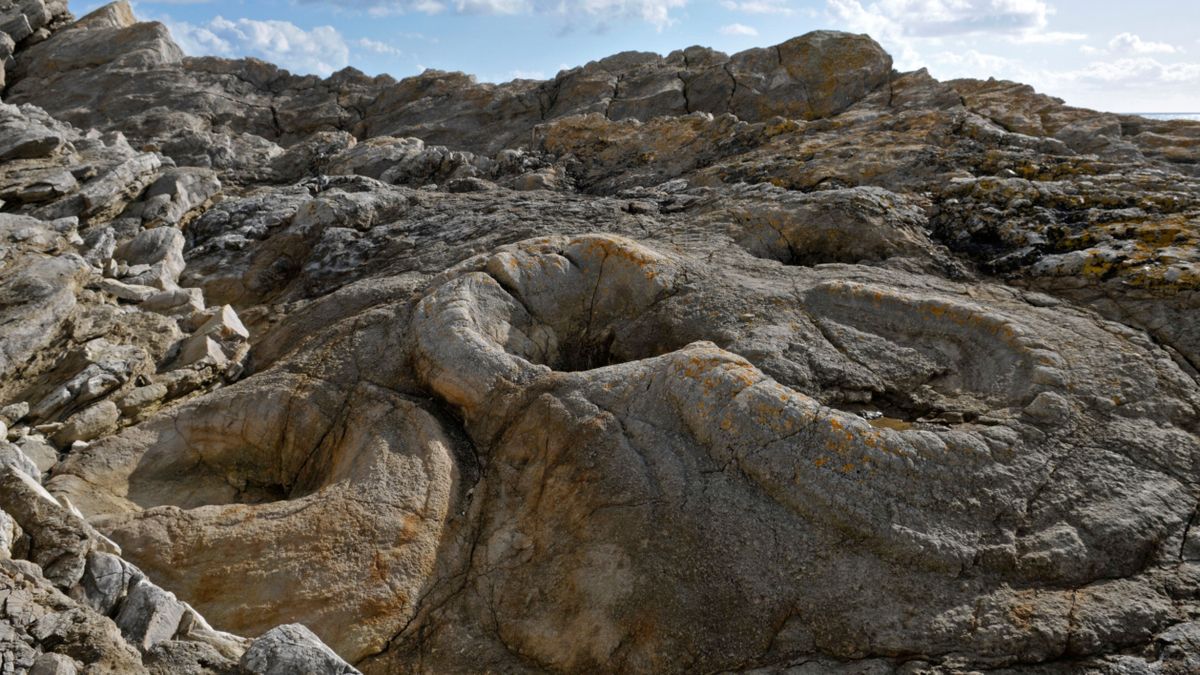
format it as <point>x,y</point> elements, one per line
<point>778,361</point>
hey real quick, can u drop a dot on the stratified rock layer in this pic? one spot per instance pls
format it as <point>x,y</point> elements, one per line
<point>778,361</point>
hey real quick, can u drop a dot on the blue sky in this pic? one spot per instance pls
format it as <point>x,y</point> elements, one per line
<point>1118,56</point>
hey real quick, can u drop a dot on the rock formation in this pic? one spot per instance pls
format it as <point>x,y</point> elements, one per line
<point>781,361</point>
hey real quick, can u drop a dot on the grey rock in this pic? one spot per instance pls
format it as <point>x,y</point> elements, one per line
<point>53,664</point>
<point>9,532</point>
<point>27,144</point>
<point>149,615</point>
<point>162,250</point>
<point>12,456</point>
<point>129,292</point>
<point>60,540</point>
<point>92,371</point>
<point>141,398</point>
<point>99,246</point>
<point>200,349</point>
<point>177,196</point>
<point>186,657</point>
<point>41,453</point>
<point>292,648</point>
<point>106,581</point>
<point>178,301</point>
<point>36,298</point>
<point>13,413</point>
<point>88,424</point>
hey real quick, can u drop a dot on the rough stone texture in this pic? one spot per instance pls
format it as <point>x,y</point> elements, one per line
<point>290,649</point>
<point>149,615</point>
<point>778,361</point>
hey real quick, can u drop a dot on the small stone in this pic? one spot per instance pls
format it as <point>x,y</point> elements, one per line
<point>292,648</point>
<point>470,184</point>
<point>226,325</point>
<point>11,456</point>
<point>194,628</point>
<point>175,301</point>
<point>149,615</point>
<point>88,424</point>
<point>1048,407</point>
<point>39,451</point>
<point>546,179</point>
<point>183,381</point>
<point>155,257</point>
<point>9,532</point>
<point>130,292</point>
<point>200,348</point>
<point>106,580</point>
<point>99,246</point>
<point>11,414</point>
<point>141,398</point>
<point>53,664</point>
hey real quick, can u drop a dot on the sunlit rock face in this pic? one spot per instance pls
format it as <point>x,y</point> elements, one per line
<point>779,361</point>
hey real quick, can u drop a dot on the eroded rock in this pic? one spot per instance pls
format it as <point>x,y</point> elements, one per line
<point>699,362</point>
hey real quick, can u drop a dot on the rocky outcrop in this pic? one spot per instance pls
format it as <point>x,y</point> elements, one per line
<point>234,115</point>
<point>765,362</point>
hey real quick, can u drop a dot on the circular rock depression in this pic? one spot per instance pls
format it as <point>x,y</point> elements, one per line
<point>680,506</point>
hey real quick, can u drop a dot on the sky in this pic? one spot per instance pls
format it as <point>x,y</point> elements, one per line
<point>1117,56</point>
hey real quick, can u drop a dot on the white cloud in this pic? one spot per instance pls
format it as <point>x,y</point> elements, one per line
<point>758,6</point>
<point>1046,38</point>
<point>1143,71</point>
<point>910,29</point>
<point>654,12</point>
<point>1128,83</point>
<point>974,63</point>
<point>937,18</point>
<point>739,29</point>
<point>321,50</point>
<point>1128,43</point>
<point>377,47</point>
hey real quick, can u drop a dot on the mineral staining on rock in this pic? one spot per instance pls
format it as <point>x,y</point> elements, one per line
<point>694,363</point>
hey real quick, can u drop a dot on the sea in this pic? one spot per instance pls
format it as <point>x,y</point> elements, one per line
<point>1171,116</point>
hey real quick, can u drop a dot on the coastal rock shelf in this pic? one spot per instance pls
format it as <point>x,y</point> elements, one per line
<point>779,361</point>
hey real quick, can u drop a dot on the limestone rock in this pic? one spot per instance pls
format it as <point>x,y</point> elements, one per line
<point>106,581</point>
<point>175,301</point>
<point>292,649</point>
<point>149,615</point>
<point>42,454</point>
<point>162,250</point>
<point>771,361</point>
<point>88,424</point>
<point>139,399</point>
<point>60,540</point>
<point>53,664</point>
<point>11,456</point>
<point>129,292</point>
<point>11,414</point>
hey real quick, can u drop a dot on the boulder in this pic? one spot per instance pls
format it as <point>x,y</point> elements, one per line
<point>149,615</point>
<point>88,424</point>
<point>292,649</point>
<point>161,249</point>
